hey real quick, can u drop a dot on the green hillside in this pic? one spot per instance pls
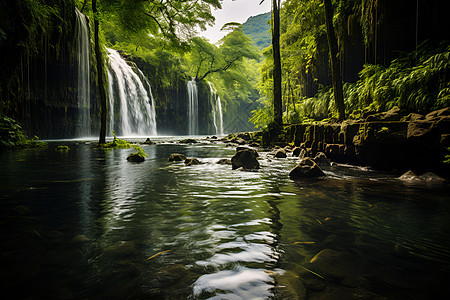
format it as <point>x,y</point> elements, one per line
<point>258,29</point>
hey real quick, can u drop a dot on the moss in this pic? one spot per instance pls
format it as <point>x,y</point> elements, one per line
<point>62,148</point>
<point>13,136</point>
<point>138,156</point>
<point>116,143</point>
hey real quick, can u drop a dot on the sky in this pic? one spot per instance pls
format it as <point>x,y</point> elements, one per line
<point>234,11</point>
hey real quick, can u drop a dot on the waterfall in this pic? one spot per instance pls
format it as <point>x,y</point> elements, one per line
<point>216,110</point>
<point>83,88</point>
<point>192,107</point>
<point>220,114</point>
<point>131,103</point>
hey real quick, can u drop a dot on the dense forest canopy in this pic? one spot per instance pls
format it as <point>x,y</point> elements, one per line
<point>391,54</point>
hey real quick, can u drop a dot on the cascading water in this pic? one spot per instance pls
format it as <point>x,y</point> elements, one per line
<point>83,89</point>
<point>216,107</point>
<point>131,103</point>
<point>192,107</point>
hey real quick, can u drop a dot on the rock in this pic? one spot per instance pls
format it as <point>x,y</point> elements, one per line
<point>80,238</point>
<point>296,151</point>
<point>321,159</point>
<point>254,144</point>
<point>394,114</point>
<point>315,284</point>
<point>289,286</point>
<point>246,159</point>
<point>121,248</point>
<point>135,157</point>
<point>188,141</point>
<point>240,141</point>
<point>177,157</point>
<point>307,168</point>
<point>224,161</point>
<point>191,161</point>
<point>246,148</point>
<point>148,142</point>
<point>430,177</point>
<point>437,114</point>
<point>280,153</point>
<point>412,117</point>
<point>336,264</point>
<point>409,176</point>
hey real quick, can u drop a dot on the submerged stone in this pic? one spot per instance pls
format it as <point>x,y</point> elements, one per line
<point>177,157</point>
<point>224,161</point>
<point>188,141</point>
<point>191,161</point>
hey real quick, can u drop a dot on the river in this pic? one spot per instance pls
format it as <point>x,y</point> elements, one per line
<point>87,224</point>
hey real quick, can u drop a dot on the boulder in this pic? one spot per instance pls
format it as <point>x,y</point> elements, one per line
<point>336,264</point>
<point>246,159</point>
<point>177,157</point>
<point>148,142</point>
<point>246,148</point>
<point>280,153</point>
<point>188,141</point>
<point>191,161</point>
<point>224,161</point>
<point>321,159</point>
<point>135,157</point>
<point>296,151</point>
<point>307,168</point>
<point>410,176</point>
<point>394,114</point>
<point>289,286</point>
<point>430,177</point>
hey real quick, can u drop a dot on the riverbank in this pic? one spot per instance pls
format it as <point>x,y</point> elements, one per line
<point>389,141</point>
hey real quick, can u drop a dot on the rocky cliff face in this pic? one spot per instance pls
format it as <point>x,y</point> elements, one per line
<point>384,141</point>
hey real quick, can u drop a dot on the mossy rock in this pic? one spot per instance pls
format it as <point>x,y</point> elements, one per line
<point>135,157</point>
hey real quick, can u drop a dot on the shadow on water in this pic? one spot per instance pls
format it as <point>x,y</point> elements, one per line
<point>87,224</point>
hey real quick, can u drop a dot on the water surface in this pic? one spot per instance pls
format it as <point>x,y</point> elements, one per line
<point>84,223</point>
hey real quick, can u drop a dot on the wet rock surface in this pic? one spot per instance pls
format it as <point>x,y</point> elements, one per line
<point>307,168</point>
<point>245,159</point>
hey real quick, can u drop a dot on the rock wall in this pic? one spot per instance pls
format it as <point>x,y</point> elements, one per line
<point>385,141</point>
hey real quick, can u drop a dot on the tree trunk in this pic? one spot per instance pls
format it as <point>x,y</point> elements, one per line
<point>335,61</point>
<point>100,79</point>
<point>277,91</point>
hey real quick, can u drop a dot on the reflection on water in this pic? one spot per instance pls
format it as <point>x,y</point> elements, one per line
<point>88,224</point>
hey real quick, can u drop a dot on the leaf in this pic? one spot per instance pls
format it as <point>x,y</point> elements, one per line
<point>159,253</point>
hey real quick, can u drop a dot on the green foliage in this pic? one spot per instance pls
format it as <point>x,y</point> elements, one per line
<point>419,88</point>
<point>206,58</point>
<point>447,158</point>
<point>116,143</point>
<point>138,150</point>
<point>12,136</point>
<point>137,156</point>
<point>62,148</point>
<point>175,21</point>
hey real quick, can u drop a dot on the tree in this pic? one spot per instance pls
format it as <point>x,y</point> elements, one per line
<point>175,21</point>
<point>100,80</point>
<point>233,49</point>
<point>335,61</point>
<point>277,91</point>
